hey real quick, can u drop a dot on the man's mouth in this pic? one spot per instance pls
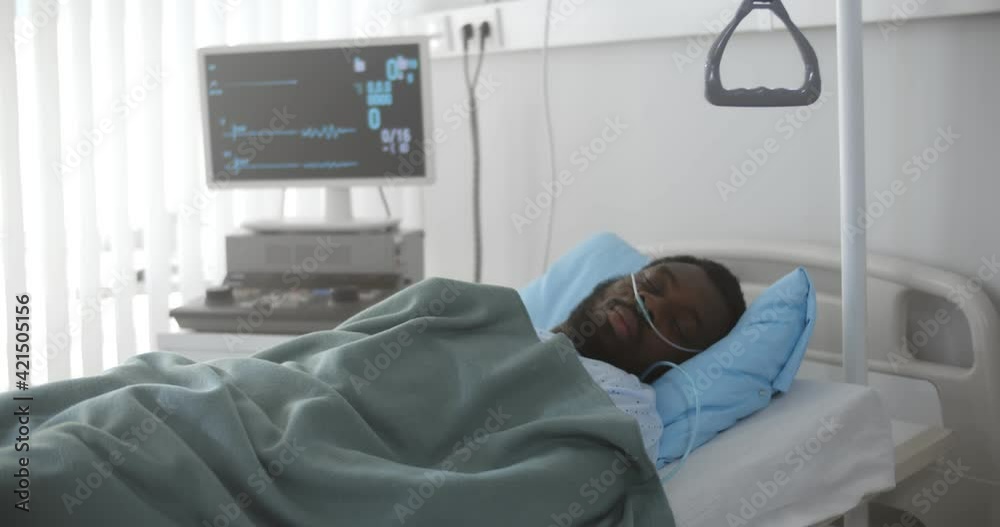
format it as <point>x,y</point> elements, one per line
<point>624,322</point>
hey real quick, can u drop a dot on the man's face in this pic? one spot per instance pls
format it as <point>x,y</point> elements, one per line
<point>682,301</point>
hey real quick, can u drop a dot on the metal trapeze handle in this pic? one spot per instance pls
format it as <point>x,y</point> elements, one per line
<point>761,96</point>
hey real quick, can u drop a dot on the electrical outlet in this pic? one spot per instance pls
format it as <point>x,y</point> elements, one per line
<point>476,16</point>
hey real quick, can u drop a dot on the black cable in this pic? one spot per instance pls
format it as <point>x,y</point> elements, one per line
<point>467,35</point>
<point>477,220</point>
<point>385,202</point>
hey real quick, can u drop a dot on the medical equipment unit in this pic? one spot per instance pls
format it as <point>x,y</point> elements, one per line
<point>298,282</point>
<point>333,113</point>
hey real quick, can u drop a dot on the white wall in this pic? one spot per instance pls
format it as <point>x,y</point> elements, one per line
<point>658,181</point>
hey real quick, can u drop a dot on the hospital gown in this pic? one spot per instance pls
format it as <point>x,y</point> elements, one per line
<point>630,396</point>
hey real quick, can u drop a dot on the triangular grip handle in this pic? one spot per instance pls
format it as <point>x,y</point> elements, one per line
<point>761,96</point>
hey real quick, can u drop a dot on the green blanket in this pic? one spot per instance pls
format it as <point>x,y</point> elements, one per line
<point>437,407</point>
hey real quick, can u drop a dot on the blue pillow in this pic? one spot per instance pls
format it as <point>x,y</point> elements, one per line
<point>737,376</point>
<point>551,297</point>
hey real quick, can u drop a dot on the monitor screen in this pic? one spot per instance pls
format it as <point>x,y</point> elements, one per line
<point>316,112</point>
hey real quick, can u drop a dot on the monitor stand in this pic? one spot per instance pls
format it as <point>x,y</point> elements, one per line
<point>338,218</point>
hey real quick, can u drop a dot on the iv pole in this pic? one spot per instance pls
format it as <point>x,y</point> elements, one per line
<point>853,240</point>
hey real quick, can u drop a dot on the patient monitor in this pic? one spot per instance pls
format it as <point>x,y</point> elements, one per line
<point>330,114</point>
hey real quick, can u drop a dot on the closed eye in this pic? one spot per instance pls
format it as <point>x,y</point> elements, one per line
<point>680,332</point>
<point>649,284</point>
<point>675,325</point>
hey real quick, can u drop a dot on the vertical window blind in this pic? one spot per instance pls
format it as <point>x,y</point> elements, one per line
<point>106,219</point>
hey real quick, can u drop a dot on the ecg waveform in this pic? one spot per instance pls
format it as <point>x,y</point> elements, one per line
<point>215,88</point>
<point>329,165</point>
<point>263,84</point>
<point>241,164</point>
<point>328,132</point>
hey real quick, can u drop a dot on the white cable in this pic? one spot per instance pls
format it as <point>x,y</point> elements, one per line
<point>694,424</point>
<point>549,131</point>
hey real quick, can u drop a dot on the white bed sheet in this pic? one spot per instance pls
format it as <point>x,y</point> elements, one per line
<point>811,455</point>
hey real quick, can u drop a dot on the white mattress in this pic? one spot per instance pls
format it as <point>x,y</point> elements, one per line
<point>808,457</point>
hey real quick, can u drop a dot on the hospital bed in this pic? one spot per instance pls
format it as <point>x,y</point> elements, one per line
<point>918,408</point>
<point>889,435</point>
<point>837,444</point>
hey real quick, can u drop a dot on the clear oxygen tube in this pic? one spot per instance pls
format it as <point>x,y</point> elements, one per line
<point>694,388</point>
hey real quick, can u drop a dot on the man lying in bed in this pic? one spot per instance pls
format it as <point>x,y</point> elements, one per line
<point>434,407</point>
<point>694,302</point>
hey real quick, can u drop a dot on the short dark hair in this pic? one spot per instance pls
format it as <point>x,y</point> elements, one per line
<point>720,275</point>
